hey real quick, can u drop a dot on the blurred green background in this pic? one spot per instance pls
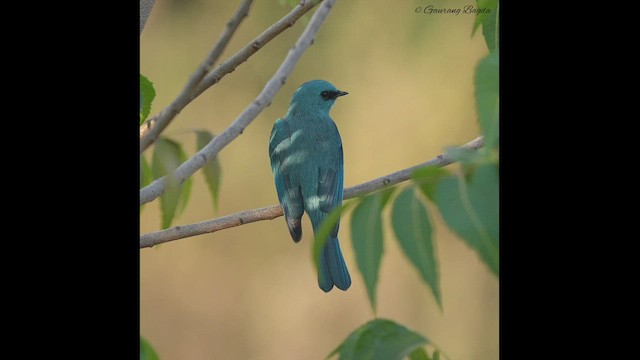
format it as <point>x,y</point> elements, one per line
<point>249,292</point>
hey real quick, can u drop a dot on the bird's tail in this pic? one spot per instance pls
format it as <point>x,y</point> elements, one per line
<point>332,268</point>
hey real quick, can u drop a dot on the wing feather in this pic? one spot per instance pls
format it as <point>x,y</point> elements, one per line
<point>289,195</point>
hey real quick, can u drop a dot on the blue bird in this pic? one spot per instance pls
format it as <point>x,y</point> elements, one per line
<point>306,159</point>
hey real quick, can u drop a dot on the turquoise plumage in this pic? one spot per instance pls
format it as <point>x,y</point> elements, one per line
<point>307,163</point>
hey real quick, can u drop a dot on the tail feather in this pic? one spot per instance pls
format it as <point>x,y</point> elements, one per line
<point>332,270</point>
<point>331,267</point>
<point>325,282</point>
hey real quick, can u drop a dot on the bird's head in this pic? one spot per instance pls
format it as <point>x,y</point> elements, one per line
<point>315,95</point>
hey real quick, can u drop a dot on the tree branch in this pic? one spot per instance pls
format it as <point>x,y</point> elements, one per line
<point>209,151</point>
<point>256,44</point>
<point>151,129</point>
<point>403,175</point>
<point>274,211</point>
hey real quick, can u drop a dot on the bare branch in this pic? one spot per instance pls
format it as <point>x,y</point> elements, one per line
<point>256,44</point>
<point>209,151</point>
<point>232,26</point>
<point>403,175</point>
<point>151,132</point>
<point>148,124</point>
<point>145,10</point>
<point>209,226</point>
<point>274,211</point>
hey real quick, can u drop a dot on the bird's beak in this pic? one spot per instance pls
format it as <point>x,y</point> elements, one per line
<point>334,94</point>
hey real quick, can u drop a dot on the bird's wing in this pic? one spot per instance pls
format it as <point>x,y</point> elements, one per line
<point>278,149</point>
<point>331,177</point>
<point>289,193</point>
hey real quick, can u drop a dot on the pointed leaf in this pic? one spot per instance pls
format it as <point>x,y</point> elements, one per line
<point>484,8</point>
<point>211,170</point>
<point>487,98</point>
<point>145,172</point>
<point>366,236</point>
<point>427,178</point>
<point>386,195</point>
<point>166,158</point>
<point>380,339</point>
<point>490,30</point>
<point>470,209</point>
<point>185,192</point>
<point>419,354</point>
<point>146,351</point>
<point>413,230</point>
<point>325,228</point>
<point>436,355</point>
<point>484,196</point>
<point>147,93</point>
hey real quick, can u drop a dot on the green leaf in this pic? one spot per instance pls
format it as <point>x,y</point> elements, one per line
<point>212,171</point>
<point>436,355</point>
<point>186,186</point>
<point>147,93</point>
<point>145,172</point>
<point>167,156</point>
<point>481,17</point>
<point>325,228</point>
<point>413,230</point>
<point>386,195</point>
<point>146,351</point>
<point>380,339</point>
<point>487,98</point>
<point>490,29</point>
<point>470,209</point>
<point>145,175</point>
<point>419,354</point>
<point>427,178</point>
<point>366,236</point>
<point>461,154</point>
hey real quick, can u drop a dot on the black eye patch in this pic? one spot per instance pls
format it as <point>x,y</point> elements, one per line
<point>332,94</point>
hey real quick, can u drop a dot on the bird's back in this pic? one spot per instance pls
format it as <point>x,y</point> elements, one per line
<point>315,148</point>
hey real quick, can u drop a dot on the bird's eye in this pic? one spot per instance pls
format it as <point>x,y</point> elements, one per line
<point>324,94</point>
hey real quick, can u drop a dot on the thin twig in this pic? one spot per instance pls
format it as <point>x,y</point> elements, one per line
<point>274,211</point>
<point>232,26</point>
<point>403,175</point>
<point>256,44</point>
<point>209,151</point>
<point>149,133</point>
<point>152,130</point>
